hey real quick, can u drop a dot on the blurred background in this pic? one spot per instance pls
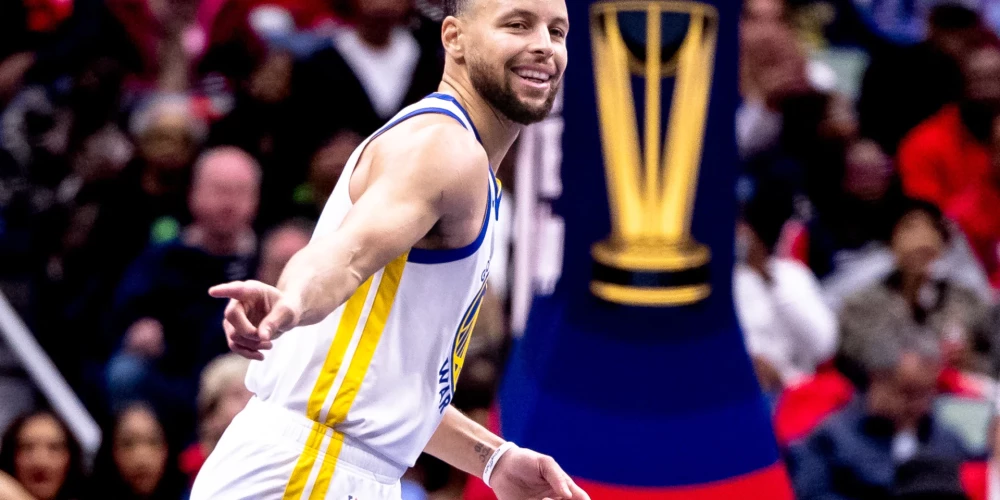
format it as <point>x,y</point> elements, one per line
<point>152,148</point>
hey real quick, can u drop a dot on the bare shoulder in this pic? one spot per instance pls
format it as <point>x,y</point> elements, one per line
<point>433,141</point>
<point>435,154</point>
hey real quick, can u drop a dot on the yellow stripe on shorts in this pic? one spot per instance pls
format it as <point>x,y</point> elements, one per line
<point>360,362</point>
<point>300,475</point>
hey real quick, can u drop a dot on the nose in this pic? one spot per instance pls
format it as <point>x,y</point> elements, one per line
<point>541,43</point>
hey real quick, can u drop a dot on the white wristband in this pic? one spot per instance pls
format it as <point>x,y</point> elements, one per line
<point>488,472</point>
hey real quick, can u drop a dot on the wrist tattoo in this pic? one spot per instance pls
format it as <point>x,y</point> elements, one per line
<point>484,452</point>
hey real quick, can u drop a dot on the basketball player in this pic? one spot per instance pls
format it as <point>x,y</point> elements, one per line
<point>374,315</point>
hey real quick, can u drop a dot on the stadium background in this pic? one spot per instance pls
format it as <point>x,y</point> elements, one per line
<point>817,122</point>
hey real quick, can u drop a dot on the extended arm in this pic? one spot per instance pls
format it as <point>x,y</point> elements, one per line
<point>409,188</point>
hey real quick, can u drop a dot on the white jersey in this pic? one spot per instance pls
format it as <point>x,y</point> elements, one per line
<point>382,369</point>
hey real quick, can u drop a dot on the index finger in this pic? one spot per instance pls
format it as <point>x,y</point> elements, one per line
<point>236,290</point>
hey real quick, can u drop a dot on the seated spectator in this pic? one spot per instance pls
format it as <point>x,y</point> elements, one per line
<point>946,154</point>
<point>279,246</point>
<point>789,330</point>
<point>946,161</point>
<point>889,105</point>
<point>910,301</point>
<point>39,452</point>
<point>221,395</point>
<point>135,462</point>
<point>856,452</point>
<point>376,66</point>
<point>168,325</point>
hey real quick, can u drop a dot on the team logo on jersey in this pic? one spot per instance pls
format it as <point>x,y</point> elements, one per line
<point>452,368</point>
<point>650,258</point>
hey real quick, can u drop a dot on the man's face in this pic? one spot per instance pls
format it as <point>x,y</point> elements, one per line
<point>907,395</point>
<point>516,54</point>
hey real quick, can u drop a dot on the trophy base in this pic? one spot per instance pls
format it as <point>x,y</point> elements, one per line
<point>651,273</point>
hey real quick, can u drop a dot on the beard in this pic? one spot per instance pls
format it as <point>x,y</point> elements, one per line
<point>499,94</point>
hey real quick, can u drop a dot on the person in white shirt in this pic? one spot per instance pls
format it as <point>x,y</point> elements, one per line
<point>789,329</point>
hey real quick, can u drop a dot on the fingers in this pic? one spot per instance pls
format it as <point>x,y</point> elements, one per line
<point>558,480</point>
<point>279,320</point>
<point>578,493</point>
<point>240,345</point>
<point>238,290</point>
<point>236,314</point>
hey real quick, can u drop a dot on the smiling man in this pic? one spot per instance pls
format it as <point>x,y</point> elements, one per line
<point>374,315</point>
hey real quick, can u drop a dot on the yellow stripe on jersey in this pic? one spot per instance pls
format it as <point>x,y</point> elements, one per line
<point>348,325</point>
<point>300,475</point>
<point>362,358</point>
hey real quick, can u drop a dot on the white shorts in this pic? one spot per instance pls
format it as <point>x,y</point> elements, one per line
<point>269,452</point>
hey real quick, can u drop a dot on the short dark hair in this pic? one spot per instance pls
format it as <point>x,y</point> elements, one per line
<point>455,7</point>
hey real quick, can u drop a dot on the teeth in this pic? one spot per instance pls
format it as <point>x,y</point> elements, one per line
<point>534,75</point>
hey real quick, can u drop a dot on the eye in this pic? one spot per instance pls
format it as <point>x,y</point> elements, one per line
<point>518,25</point>
<point>557,33</point>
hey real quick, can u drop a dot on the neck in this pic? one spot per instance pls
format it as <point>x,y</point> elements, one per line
<point>497,131</point>
<point>375,34</point>
<point>911,287</point>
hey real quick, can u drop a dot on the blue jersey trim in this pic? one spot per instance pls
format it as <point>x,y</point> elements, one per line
<point>411,114</point>
<point>428,256</point>
<point>446,97</point>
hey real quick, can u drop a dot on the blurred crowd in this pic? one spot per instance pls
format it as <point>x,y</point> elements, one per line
<point>152,148</point>
<point>869,248</point>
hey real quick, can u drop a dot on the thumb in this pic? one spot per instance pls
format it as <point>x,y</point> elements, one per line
<point>281,319</point>
<point>557,479</point>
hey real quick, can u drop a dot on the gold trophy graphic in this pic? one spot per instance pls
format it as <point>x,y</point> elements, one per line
<point>650,258</point>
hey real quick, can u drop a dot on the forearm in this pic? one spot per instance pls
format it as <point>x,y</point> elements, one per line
<point>10,489</point>
<point>321,277</point>
<point>462,443</point>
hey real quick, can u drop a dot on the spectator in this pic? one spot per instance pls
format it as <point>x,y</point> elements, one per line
<point>221,395</point>
<point>374,67</point>
<point>168,325</point>
<point>856,452</point>
<point>789,331</point>
<point>890,105</point>
<point>43,456</point>
<point>948,159</point>
<point>773,67</point>
<point>135,461</point>
<point>910,301</point>
<point>844,243</point>
<point>146,204</point>
<point>278,248</point>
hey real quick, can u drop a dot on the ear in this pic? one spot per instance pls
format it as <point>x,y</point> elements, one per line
<point>452,39</point>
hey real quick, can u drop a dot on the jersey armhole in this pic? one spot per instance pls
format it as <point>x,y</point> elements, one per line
<point>430,256</point>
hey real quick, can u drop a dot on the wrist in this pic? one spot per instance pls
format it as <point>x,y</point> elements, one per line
<point>494,460</point>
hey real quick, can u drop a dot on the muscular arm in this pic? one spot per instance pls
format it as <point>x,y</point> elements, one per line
<point>410,186</point>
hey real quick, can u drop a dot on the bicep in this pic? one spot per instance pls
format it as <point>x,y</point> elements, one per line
<point>390,217</point>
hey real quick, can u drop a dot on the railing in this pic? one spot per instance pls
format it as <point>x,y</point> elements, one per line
<point>47,378</point>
